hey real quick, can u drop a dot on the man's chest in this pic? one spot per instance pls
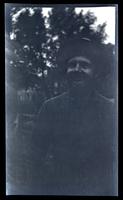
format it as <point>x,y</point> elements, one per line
<point>77,131</point>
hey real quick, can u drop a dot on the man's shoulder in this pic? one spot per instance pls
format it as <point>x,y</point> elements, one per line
<point>57,100</point>
<point>105,105</point>
<point>104,100</point>
<point>56,103</point>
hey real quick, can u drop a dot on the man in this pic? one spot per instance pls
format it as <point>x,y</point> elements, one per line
<point>75,132</point>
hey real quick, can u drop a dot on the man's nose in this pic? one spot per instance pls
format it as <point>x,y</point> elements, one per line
<point>77,67</point>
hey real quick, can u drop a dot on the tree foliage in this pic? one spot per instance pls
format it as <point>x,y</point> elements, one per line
<point>65,23</point>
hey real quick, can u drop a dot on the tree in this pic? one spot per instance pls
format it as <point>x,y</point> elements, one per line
<point>65,23</point>
<point>29,32</point>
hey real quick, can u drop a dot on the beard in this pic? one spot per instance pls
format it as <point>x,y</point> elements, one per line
<point>80,84</point>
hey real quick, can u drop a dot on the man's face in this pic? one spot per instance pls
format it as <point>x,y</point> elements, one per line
<point>79,71</point>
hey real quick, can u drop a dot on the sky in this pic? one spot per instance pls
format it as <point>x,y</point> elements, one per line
<point>103,14</point>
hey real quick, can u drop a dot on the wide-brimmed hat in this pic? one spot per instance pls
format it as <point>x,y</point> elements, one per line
<point>93,50</point>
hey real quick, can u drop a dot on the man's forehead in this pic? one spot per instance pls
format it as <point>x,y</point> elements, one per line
<point>79,59</point>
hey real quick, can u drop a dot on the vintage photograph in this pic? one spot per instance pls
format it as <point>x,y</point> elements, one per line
<point>61,99</point>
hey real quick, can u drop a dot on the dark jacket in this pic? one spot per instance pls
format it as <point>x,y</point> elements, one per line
<point>76,146</point>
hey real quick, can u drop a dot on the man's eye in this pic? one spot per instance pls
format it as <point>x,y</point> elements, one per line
<point>84,66</point>
<point>71,65</point>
